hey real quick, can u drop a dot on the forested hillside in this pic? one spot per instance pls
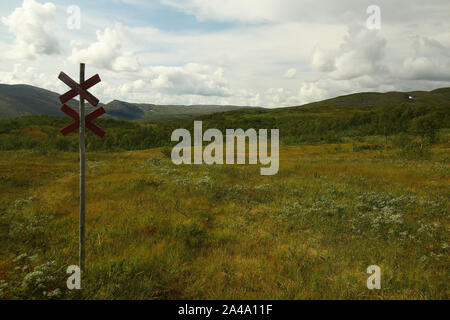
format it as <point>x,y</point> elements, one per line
<point>424,117</point>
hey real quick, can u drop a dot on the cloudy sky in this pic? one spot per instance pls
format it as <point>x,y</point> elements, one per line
<point>269,53</point>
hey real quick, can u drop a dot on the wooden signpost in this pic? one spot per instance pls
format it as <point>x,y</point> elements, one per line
<point>82,122</point>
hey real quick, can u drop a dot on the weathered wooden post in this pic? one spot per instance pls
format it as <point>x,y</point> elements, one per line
<point>82,244</point>
<point>81,121</point>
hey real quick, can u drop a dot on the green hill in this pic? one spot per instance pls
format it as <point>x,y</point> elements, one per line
<point>21,100</point>
<point>151,112</point>
<point>374,100</point>
<point>343,105</point>
<point>24,100</point>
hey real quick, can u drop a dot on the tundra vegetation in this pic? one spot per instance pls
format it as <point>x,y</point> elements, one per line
<point>351,191</point>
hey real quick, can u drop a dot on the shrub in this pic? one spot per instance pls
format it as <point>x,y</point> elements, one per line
<point>42,282</point>
<point>3,288</point>
<point>367,146</point>
<point>401,140</point>
<point>415,151</point>
<point>192,233</point>
<point>140,184</point>
<point>380,214</point>
<point>167,152</point>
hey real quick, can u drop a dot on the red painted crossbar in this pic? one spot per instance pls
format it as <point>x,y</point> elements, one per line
<point>88,121</point>
<point>76,87</point>
<point>90,117</point>
<point>72,113</point>
<point>85,85</point>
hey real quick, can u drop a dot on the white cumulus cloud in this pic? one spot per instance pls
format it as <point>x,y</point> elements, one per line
<point>108,51</point>
<point>360,54</point>
<point>33,25</point>
<point>192,78</point>
<point>430,61</point>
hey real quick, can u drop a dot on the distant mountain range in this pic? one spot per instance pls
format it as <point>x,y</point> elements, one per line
<point>21,100</point>
<point>135,111</point>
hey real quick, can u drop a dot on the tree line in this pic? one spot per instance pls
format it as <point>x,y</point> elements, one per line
<point>296,127</point>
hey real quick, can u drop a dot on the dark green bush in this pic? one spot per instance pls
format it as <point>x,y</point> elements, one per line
<point>192,234</point>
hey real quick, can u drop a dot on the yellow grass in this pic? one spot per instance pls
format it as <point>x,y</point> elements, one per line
<point>225,232</point>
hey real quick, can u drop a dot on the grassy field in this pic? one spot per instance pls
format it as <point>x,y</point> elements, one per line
<point>160,231</point>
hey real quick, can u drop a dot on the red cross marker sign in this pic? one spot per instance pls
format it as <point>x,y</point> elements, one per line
<point>88,119</point>
<point>82,121</point>
<point>81,89</point>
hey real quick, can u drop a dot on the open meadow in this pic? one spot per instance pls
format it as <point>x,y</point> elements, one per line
<point>160,231</point>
